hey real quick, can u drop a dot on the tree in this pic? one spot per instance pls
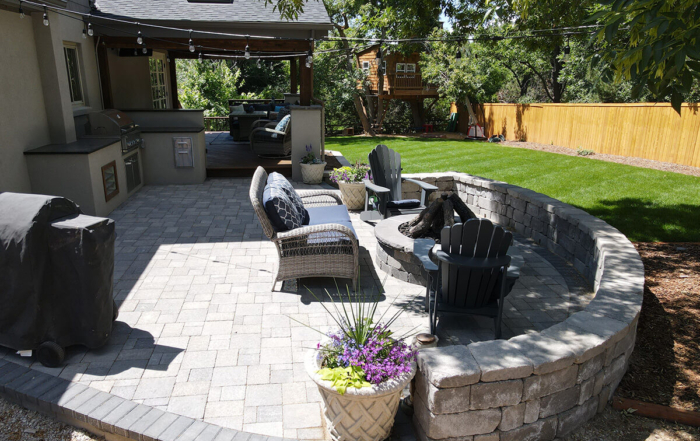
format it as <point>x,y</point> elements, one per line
<point>208,85</point>
<point>659,46</point>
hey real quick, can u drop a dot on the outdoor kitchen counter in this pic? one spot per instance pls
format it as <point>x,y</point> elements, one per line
<point>79,147</point>
<point>172,129</point>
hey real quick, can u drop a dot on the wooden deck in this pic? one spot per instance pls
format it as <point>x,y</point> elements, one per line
<point>229,159</point>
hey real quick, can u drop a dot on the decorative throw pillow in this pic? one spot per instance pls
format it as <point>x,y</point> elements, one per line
<point>282,125</point>
<point>280,209</point>
<point>278,180</point>
<point>236,109</point>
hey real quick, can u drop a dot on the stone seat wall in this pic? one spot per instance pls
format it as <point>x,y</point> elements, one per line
<point>542,385</point>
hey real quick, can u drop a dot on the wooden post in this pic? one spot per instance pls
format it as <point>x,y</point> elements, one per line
<point>306,83</point>
<point>293,75</point>
<point>175,100</point>
<point>105,82</point>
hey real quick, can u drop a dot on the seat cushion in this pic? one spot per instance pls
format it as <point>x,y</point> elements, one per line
<point>328,215</point>
<point>333,214</point>
<point>282,125</point>
<point>404,203</point>
<point>278,180</point>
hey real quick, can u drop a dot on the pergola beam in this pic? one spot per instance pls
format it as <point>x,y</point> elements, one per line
<point>210,44</point>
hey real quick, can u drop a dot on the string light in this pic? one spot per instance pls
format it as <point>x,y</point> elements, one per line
<point>84,33</point>
<point>90,31</point>
<point>139,37</point>
<point>459,50</point>
<point>309,58</point>
<point>21,11</point>
<point>258,63</point>
<point>46,17</point>
<point>247,49</point>
<point>191,43</point>
<point>144,50</point>
<point>200,57</point>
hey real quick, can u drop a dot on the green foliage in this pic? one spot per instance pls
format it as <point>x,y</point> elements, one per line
<point>474,75</point>
<point>344,377</point>
<point>646,205</point>
<point>350,175</point>
<point>584,152</point>
<point>267,79</point>
<point>207,85</point>
<point>652,42</point>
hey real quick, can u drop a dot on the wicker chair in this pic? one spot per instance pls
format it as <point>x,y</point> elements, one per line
<point>263,143</point>
<point>325,250</point>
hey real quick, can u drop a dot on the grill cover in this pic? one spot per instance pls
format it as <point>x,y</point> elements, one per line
<point>56,270</point>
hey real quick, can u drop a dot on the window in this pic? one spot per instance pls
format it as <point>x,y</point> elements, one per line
<point>365,66</point>
<point>384,67</point>
<point>70,50</point>
<point>158,91</point>
<point>400,67</point>
<point>410,67</point>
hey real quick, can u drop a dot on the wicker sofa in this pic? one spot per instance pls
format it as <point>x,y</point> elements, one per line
<point>326,247</point>
<point>266,141</point>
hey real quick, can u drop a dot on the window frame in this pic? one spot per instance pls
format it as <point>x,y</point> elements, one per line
<point>400,68</point>
<point>365,66</point>
<point>70,46</point>
<point>412,70</point>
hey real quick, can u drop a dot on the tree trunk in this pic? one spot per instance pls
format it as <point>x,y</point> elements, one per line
<point>417,112</point>
<point>357,100</point>
<point>557,65</point>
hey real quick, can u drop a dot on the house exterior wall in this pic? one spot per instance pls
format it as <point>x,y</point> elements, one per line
<point>23,122</point>
<point>35,91</point>
<point>130,81</point>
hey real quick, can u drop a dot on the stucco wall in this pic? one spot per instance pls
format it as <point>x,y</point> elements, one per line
<point>130,80</point>
<point>23,123</point>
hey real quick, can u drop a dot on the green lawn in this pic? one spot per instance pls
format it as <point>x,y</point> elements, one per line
<point>646,205</point>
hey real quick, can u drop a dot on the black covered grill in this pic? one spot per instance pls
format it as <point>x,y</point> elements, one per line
<point>56,271</point>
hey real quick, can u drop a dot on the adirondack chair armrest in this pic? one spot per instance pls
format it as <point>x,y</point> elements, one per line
<point>425,186</point>
<point>473,262</point>
<point>375,188</point>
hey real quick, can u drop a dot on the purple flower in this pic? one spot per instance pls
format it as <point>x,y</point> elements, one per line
<point>309,148</point>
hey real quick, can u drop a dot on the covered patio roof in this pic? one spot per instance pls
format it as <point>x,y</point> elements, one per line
<point>218,29</point>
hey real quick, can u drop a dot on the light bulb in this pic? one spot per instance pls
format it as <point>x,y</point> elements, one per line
<point>139,39</point>
<point>46,17</point>
<point>308,62</point>
<point>84,34</point>
<point>272,65</point>
<point>191,46</point>
<point>258,63</point>
<point>144,50</point>
<point>247,52</point>
<point>90,31</point>
<point>200,57</point>
<point>21,11</point>
<point>309,59</point>
<point>136,52</point>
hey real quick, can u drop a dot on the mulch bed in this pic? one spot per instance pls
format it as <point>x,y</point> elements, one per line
<point>665,365</point>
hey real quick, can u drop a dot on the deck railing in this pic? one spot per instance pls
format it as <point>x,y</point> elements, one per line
<point>216,123</point>
<point>405,81</point>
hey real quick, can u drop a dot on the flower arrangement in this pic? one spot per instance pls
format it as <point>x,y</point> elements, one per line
<point>351,175</point>
<point>362,352</point>
<point>310,158</point>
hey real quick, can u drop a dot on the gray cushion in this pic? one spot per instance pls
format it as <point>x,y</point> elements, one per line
<point>334,214</point>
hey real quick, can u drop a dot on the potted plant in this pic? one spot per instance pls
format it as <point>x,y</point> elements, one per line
<point>352,189</point>
<point>360,370</point>
<point>312,167</point>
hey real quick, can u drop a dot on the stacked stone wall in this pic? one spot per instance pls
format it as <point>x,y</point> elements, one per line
<point>542,385</point>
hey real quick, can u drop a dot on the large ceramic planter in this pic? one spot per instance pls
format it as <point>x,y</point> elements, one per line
<point>312,173</point>
<point>353,195</point>
<point>365,414</point>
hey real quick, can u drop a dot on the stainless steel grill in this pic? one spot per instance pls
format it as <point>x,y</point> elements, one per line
<point>110,123</point>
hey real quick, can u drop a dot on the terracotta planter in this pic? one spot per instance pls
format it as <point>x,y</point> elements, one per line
<point>312,173</point>
<point>353,195</point>
<point>365,414</point>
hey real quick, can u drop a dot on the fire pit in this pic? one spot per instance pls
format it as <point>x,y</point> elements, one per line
<point>395,251</point>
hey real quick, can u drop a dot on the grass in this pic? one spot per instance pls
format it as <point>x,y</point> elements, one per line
<point>646,205</point>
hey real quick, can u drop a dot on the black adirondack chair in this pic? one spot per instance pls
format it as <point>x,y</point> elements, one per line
<point>472,272</point>
<point>386,173</point>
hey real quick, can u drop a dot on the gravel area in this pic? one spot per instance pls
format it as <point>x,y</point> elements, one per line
<point>20,424</point>
<point>614,425</point>
<point>637,162</point>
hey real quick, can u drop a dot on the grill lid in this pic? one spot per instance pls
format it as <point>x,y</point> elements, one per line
<point>107,123</point>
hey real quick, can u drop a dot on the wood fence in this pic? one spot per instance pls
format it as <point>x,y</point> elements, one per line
<point>644,130</point>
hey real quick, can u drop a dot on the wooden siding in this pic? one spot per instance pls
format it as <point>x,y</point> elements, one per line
<point>392,82</point>
<point>644,130</point>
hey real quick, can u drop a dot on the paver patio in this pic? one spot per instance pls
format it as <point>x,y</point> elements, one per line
<point>201,334</point>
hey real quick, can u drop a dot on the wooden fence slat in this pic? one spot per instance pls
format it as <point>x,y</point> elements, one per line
<point>644,130</point>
